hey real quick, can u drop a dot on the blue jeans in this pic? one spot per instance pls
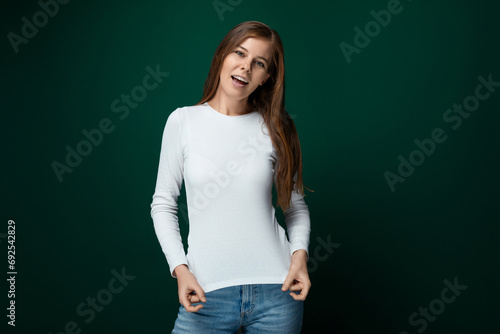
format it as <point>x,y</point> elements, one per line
<point>253,308</point>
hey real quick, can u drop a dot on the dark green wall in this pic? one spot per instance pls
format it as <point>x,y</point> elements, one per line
<point>377,254</point>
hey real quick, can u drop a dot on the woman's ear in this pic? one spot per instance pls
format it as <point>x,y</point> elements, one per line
<point>267,77</point>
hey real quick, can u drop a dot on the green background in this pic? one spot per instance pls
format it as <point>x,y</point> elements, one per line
<point>393,249</point>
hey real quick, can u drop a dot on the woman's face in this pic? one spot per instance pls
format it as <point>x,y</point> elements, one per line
<point>249,60</point>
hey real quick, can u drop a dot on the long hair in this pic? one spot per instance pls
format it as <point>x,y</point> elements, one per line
<point>269,101</point>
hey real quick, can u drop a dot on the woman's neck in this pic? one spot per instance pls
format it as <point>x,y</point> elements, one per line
<point>230,107</point>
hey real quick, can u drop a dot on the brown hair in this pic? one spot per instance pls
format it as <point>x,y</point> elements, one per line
<point>268,100</point>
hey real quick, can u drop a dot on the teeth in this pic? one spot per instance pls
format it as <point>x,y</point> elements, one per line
<point>240,78</point>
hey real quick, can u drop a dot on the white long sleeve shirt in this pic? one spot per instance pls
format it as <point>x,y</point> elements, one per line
<point>228,166</point>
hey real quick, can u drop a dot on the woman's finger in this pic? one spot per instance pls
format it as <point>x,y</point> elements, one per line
<point>296,286</point>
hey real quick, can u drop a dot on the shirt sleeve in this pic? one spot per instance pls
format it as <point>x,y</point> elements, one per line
<point>164,206</point>
<point>298,222</point>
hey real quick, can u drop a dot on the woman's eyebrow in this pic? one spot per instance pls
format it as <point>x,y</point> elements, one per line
<point>257,56</point>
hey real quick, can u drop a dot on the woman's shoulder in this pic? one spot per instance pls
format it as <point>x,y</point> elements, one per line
<point>190,108</point>
<point>186,113</point>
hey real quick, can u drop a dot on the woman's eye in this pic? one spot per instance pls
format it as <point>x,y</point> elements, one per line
<point>261,64</point>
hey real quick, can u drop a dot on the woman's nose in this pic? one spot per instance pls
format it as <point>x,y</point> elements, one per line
<point>245,66</point>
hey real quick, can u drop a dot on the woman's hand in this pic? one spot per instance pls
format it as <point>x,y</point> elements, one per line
<point>187,283</point>
<point>298,277</point>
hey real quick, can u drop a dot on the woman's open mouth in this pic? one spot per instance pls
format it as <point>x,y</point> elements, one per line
<point>237,82</point>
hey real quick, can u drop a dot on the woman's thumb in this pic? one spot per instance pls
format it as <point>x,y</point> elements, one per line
<point>201,294</point>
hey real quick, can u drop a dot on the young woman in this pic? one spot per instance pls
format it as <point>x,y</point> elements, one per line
<point>230,148</point>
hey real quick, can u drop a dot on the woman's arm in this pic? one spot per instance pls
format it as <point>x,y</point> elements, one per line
<point>298,225</point>
<point>168,185</point>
